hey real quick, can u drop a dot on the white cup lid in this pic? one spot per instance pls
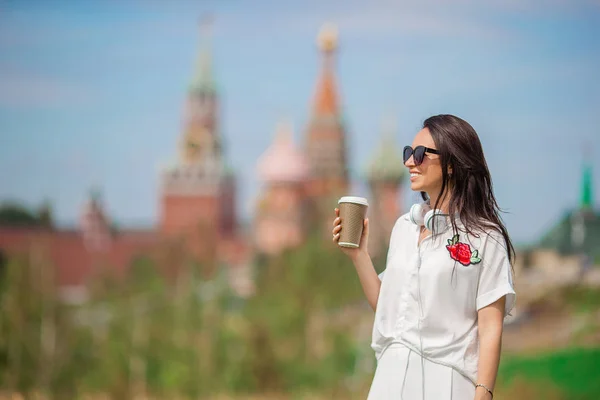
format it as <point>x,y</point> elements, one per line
<point>353,199</point>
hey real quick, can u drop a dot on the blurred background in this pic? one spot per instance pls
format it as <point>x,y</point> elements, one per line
<point>169,169</point>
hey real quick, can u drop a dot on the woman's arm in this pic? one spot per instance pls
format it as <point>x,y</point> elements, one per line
<point>362,261</point>
<point>369,279</point>
<point>489,324</point>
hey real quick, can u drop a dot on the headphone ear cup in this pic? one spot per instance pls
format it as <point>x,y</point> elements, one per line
<point>416,214</point>
<point>428,220</point>
<point>441,222</point>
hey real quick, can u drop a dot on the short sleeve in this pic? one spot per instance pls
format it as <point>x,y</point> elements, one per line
<point>495,278</point>
<point>391,247</point>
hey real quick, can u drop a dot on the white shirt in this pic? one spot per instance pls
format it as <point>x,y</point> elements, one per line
<point>451,293</point>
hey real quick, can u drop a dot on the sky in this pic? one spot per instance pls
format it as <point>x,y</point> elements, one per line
<point>92,93</point>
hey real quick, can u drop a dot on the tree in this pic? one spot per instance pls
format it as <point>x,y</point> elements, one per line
<point>15,215</point>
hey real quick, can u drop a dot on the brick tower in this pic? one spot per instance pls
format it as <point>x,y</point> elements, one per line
<point>325,136</point>
<point>197,199</point>
<point>386,172</point>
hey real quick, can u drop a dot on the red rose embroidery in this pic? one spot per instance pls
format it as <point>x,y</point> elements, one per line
<point>462,253</point>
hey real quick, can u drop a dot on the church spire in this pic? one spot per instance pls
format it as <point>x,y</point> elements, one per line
<point>325,145</point>
<point>203,79</point>
<point>587,195</point>
<point>326,98</point>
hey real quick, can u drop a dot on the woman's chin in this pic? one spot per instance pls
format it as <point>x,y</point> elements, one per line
<point>416,187</point>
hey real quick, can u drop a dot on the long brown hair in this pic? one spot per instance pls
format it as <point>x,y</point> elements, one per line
<point>472,194</point>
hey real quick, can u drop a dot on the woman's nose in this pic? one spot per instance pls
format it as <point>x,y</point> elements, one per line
<point>410,162</point>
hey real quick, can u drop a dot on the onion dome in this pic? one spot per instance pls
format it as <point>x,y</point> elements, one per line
<point>283,162</point>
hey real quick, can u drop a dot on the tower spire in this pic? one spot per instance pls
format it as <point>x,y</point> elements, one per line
<point>203,80</point>
<point>326,98</point>
<point>325,138</point>
<point>587,195</point>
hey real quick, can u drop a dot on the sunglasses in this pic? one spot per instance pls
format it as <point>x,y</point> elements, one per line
<point>418,153</point>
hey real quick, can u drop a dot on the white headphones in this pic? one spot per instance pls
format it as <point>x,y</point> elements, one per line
<point>421,214</point>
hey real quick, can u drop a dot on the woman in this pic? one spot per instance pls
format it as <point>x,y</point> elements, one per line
<point>447,286</point>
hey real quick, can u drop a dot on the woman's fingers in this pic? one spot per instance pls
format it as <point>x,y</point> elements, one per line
<point>336,226</point>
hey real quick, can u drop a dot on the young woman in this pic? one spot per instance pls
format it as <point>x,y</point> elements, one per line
<point>447,286</point>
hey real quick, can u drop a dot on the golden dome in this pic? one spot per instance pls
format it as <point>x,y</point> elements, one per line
<point>328,37</point>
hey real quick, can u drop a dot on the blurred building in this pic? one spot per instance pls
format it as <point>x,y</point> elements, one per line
<point>385,175</point>
<point>197,220</point>
<point>566,253</point>
<point>301,186</point>
<point>578,231</point>
<point>282,207</point>
<point>197,198</point>
<point>79,255</point>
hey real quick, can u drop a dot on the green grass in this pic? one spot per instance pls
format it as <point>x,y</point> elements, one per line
<point>574,372</point>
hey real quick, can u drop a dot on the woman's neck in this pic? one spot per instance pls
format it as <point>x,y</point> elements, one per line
<point>445,201</point>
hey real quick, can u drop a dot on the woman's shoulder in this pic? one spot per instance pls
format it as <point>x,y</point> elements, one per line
<point>401,224</point>
<point>403,221</point>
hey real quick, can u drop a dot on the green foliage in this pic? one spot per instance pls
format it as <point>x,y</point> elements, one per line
<point>179,335</point>
<point>185,336</point>
<point>15,215</point>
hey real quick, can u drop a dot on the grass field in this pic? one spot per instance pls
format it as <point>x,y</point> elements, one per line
<point>572,373</point>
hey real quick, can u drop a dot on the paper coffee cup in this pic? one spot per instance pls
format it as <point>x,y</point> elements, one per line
<point>352,214</point>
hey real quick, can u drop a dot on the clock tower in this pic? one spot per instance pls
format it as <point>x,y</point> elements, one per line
<point>197,199</point>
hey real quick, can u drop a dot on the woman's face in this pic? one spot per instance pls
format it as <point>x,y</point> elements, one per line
<point>426,177</point>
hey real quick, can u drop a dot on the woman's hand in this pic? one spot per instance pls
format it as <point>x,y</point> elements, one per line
<point>364,240</point>
<point>369,280</point>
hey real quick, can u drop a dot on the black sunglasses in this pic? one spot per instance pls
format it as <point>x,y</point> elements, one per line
<point>418,153</point>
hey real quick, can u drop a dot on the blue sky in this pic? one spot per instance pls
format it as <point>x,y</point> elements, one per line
<point>92,92</point>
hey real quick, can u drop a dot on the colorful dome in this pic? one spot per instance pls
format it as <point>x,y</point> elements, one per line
<point>283,162</point>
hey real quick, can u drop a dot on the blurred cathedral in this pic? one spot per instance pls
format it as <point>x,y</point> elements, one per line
<point>197,210</point>
<point>301,186</point>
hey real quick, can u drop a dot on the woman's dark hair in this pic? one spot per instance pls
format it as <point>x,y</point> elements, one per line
<point>471,193</point>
